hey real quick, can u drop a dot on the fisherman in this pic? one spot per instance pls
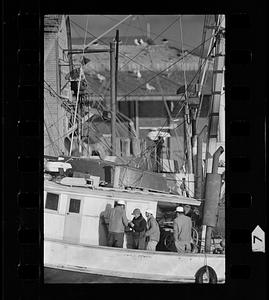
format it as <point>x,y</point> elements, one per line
<point>183,187</point>
<point>153,231</point>
<point>139,227</point>
<point>187,210</point>
<point>117,221</point>
<point>192,213</point>
<point>182,231</point>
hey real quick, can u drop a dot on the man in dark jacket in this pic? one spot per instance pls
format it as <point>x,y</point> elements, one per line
<point>139,226</point>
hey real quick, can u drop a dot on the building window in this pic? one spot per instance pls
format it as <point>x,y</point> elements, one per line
<point>74,206</point>
<point>52,201</point>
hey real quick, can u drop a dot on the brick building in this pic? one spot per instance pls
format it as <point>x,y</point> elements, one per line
<point>56,88</point>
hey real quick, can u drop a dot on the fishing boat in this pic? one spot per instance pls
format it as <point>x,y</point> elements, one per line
<point>75,235</point>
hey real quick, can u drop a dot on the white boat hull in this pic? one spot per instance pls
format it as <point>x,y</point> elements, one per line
<point>129,263</point>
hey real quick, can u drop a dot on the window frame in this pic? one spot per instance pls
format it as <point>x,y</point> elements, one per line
<point>72,212</point>
<point>75,197</point>
<point>58,204</point>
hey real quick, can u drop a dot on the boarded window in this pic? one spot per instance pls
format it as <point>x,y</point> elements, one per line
<point>74,206</point>
<point>52,201</point>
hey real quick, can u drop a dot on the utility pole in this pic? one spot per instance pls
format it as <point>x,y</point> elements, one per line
<point>213,179</point>
<point>69,43</point>
<point>113,97</point>
<point>116,63</point>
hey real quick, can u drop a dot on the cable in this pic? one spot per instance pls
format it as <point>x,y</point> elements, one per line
<point>180,108</point>
<point>80,74</point>
<point>114,26</point>
<point>184,72</point>
<point>165,69</point>
<point>52,117</point>
<point>144,31</point>
<point>156,37</point>
<point>157,74</point>
<point>102,107</point>
<point>132,59</point>
<point>52,143</point>
<point>178,112</point>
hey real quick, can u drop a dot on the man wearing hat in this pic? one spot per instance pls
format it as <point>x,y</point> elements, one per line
<point>182,231</point>
<point>139,226</point>
<point>153,232</point>
<point>117,221</point>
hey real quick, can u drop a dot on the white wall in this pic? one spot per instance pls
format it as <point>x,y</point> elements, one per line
<point>54,220</point>
<point>90,227</point>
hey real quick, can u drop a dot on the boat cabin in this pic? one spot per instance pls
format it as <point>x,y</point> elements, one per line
<point>75,214</point>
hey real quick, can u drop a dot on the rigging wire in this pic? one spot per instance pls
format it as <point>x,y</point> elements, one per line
<point>183,61</point>
<point>171,64</point>
<point>80,74</point>
<point>181,106</point>
<point>103,108</point>
<point>157,74</point>
<point>106,32</point>
<point>132,59</point>
<point>166,68</point>
<point>215,33</point>
<point>187,127</point>
<point>156,38</point>
<point>144,31</point>
<point>57,129</point>
<point>51,140</point>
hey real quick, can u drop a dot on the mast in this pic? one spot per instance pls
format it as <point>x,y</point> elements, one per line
<point>217,93</point>
<point>113,97</point>
<point>69,44</point>
<point>215,125</point>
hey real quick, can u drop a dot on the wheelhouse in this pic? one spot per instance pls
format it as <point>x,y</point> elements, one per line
<point>75,214</point>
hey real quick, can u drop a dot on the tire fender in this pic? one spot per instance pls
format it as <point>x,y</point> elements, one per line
<point>199,276</point>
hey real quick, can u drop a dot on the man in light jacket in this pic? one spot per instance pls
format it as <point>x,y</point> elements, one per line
<point>182,231</point>
<point>153,232</point>
<point>117,221</point>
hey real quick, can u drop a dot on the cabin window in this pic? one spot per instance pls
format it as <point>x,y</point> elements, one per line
<point>74,206</point>
<point>52,201</point>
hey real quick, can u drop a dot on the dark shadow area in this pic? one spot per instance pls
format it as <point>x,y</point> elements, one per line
<point>103,227</point>
<point>129,239</point>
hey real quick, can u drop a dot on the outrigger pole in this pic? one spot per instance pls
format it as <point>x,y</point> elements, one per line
<point>113,96</point>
